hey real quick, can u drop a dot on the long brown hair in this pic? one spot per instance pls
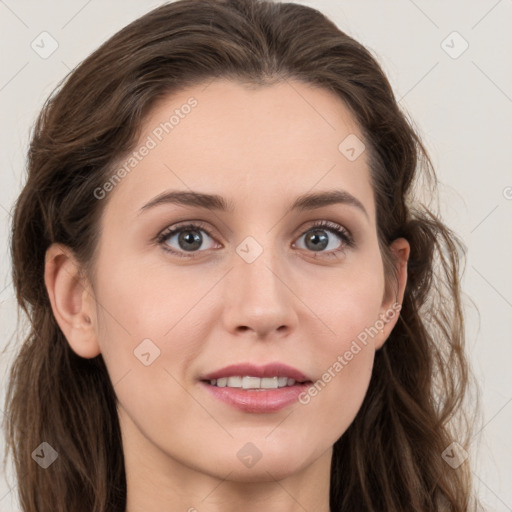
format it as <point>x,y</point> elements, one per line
<point>390,458</point>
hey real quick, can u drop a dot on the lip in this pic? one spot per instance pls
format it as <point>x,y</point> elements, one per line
<point>257,401</point>
<point>254,401</point>
<point>268,370</point>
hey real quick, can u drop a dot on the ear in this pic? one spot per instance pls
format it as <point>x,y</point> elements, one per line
<point>392,302</point>
<point>72,300</point>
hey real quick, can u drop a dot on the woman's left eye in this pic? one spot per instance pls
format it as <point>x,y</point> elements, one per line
<point>316,238</point>
<point>190,238</point>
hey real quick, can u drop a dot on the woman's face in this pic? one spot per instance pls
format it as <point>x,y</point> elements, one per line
<point>254,282</point>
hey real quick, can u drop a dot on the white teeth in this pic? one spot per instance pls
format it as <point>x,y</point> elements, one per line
<point>248,382</point>
<point>234,382</point>
<point>251,383</point>
<point>269,382</point>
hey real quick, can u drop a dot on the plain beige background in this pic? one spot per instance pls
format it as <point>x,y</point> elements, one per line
<point>459,98</point>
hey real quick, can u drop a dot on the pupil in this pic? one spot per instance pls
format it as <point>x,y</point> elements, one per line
<point>190,237</point>
<point>318,239</point>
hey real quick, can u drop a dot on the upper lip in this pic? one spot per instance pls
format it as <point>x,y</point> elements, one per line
<point>249,369</point>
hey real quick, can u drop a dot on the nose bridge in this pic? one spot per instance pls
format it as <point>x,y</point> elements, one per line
<point>257,297</point>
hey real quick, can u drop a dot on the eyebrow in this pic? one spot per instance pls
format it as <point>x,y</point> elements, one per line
<point>310,201</point>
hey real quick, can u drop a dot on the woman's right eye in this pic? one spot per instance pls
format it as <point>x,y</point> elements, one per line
<point>186,238</point>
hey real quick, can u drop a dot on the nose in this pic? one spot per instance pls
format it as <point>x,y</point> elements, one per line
<point>259,299</point>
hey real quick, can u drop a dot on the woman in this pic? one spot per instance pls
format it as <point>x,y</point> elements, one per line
<point>235,299</point>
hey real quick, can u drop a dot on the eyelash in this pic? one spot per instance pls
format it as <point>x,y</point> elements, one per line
<point>342,233</point>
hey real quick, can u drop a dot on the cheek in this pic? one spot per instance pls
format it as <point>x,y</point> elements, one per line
<point>345,364</point>
<point>141,308</point>
<point>145,296</point>
<point>350,308</point>
<point>347,300</point>
<point>150,334</point>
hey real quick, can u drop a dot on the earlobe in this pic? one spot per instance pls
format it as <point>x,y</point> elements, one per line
<point>392,304</point>
<point>72,300</point>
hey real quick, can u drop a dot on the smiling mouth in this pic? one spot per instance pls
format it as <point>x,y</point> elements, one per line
<point>248,382</point>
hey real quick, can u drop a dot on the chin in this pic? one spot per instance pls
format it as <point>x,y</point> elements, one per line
<point>268,471</point>
<point>249,465</point>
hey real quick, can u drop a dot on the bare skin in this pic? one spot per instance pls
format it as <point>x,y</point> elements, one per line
<point>260,148</point>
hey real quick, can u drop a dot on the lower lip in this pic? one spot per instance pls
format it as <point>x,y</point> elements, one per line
<point>257,401</point>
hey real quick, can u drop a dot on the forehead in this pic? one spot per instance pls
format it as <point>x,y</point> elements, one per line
<point>243,141</point>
